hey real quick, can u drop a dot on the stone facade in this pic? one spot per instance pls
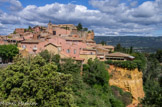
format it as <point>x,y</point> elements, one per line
<point>19,30</point>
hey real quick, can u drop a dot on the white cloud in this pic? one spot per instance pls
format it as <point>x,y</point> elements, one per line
<point>147,9</point>
<point>14,5</point>
<point>111,17</point>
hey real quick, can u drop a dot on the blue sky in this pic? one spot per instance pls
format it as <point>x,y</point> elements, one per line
<point>44,2</point>
<point>105,17</point>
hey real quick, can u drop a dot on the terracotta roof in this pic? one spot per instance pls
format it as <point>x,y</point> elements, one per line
<point>73,38</point>
<point>17,39</point>
<point>108,46</point>
<point>119,54</point>
<point>89,49</point>
<point>100,53</point>
<point>63,53</point>
<point>52,44</point>
<point>90,41</point>
<point>102,48</point>
<point>31,41</point>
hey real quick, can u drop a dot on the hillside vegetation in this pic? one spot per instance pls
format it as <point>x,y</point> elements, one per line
<point>150,66</point>
<point>44,81</point>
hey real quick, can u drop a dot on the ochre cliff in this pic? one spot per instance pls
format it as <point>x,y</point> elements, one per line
<point>128,80</point>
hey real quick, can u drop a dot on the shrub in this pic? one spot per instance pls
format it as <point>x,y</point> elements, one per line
<point>125,97</point>
<point>130,65</point>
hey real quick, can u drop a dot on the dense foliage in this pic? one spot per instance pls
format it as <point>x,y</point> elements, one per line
<point>125,97</point>
<point>152,81</point>
<point>90,86</point>
<point>7,52</point>
<point>49,57</point>
<point>35,81</point>
<point>130,65</point>
<point>95,72</point>
<point>103,42</point>
<point>139,62</point>
<point>159,55</point>
<point>79,27</point>
<point>119,48</point>
<point>46,80</point>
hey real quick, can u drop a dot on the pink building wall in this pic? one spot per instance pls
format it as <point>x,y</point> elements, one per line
<point>71,45</point>
<point>74,47</point>
<point>61,31</point>
<point>29,47</point>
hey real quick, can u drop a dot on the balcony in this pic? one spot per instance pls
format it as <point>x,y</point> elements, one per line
<point>35,49</point>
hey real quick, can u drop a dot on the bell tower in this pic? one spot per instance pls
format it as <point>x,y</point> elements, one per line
<point>49,29</point>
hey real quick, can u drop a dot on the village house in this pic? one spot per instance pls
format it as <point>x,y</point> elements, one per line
<point>65,40</point>
<point>68,30</point>
<point>118,56</point>
<point>19,30</point>
<point>33,46</point>
<point>62,29</point>
<point>88,53</point>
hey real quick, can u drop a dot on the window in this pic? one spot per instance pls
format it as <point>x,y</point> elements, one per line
<point>59,48</point>
<point>54,32</point>
<point>91,53</point>
<point>23,46</point>
<point>68,51</point>
<point>35,48</point>
<point>74,51</point>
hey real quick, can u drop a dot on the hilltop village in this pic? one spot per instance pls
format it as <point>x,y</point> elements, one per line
<point>64,39</point>
<point>122,72</point>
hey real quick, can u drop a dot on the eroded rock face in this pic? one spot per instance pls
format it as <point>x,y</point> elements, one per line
<point>128,80</point>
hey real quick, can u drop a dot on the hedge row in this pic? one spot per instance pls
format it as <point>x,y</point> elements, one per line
<point>130,65</point>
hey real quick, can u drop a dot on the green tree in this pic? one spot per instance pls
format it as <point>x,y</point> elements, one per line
<point>103,42</point>
<point>159,55</point>
<point>7,52</point>
<point>30,29</point>
<point>152,83</point>
<point>116,103</point>
<point>153,94</point>
<point>118,47</point>
<point>37,82</point>
<point>69,66</point>
<point>131,50</point>
<point>79,27</point>
<point>46,55</point>
<point>50,57</point>
<point>95,72</point>
<point>123,96</point>
<point>85,29</point>
<point>14,32</point>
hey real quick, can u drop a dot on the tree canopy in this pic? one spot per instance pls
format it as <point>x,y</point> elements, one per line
<point>95,73</point>
<point>79,27</point>
<point>7,52</point>
<point>159,55</point>
<point>50,57</point>
<point>35,81</point>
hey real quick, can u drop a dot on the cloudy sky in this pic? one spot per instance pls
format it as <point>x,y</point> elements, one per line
<point>105,17</point>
